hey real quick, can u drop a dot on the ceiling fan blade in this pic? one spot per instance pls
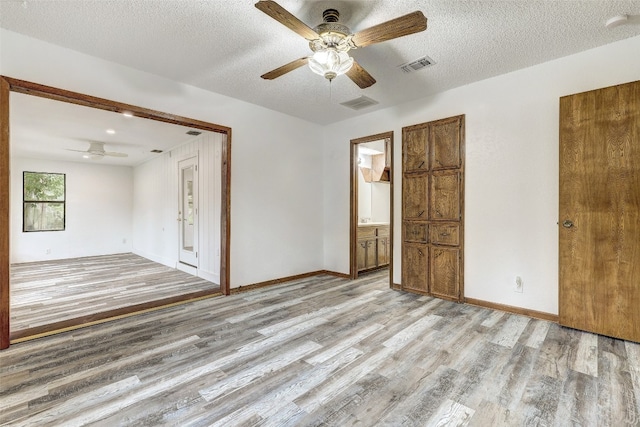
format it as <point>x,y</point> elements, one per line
<point>360,76</point>
<point>402,26</point>
<point>281,15</point>
<point>113,154</point>
<point>77,151</point>
<point>285,68</point>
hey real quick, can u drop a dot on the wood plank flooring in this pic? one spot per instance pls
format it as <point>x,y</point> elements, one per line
<point>53,291</point>
<point>322,351</point>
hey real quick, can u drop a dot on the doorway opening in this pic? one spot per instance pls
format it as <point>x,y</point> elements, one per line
<point>8,85</point>
<point>371,220</point>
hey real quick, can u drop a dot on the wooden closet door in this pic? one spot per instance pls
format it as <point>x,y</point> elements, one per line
<point>599,236</point>
<point>444,269</point>
<point>415,267</point>
<point>432,208</point>
<point>415,150</point>
<point>444,196</point>
<point>415,200</point>
<point>445,142</point>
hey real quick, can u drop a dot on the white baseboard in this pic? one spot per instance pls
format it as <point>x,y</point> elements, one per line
<point>206,275</point>
<point>210,276</point>
<point>156,258</point>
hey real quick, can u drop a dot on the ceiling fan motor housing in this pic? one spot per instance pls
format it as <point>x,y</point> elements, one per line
<point>332,34</point>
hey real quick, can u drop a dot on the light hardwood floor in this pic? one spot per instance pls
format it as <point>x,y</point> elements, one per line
<point>54,291</point>
<point>322,351</point>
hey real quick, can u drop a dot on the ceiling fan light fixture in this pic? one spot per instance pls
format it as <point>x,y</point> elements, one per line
<point>330,63</point>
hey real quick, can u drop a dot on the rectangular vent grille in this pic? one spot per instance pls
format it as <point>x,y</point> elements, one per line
<point>359,103</point>
<point>418,64</point>
<point>194,133</point>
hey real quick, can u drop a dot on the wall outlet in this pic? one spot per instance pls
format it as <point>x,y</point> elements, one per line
<point>47,251</point>
<point>519,285</point>
<point>124,241</point>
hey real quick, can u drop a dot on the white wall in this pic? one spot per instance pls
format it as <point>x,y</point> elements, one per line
<point>98,212</point>
<point>290,200</point>
<point>364,190</point>
<point>276,167</point>
<point>155,207</point>
<point>380,202</point>
<point>374,199</point>
<point>511,176</point>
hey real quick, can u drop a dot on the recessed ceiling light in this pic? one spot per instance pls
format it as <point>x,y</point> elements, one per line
<point>127,114</point>
<point>85,156</point>
<point>111,131</point>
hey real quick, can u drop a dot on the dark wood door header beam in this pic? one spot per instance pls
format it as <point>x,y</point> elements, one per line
<point>35,89</point>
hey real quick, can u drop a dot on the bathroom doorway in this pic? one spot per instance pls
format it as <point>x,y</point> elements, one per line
<point>371,237</point>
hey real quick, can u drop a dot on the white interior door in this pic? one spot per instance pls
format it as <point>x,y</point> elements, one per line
<point>188,211</point>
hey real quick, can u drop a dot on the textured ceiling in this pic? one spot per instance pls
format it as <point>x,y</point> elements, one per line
<point>48,129</point>
<point>224,46</point>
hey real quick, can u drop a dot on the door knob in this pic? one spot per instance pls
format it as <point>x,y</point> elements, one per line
<point>567,223</point>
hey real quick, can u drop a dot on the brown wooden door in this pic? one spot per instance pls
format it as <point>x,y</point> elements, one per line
<point>415,267</point>
<point>445,271</point>
<point>432,207</point>
<point>444,196</point>
<point>445,137</point>
<point>371,258</point>
<point>599,244</point>
<point>383,254</point>
<point>415,199</point>
<point>367,256</point>
<point>362,255</point>
<point>415,154</point>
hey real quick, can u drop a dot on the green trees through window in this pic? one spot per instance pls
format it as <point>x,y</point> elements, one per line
<point>43,201</point>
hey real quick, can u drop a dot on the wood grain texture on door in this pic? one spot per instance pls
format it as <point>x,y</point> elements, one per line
<point>415,197</point>
<point>444,196</point>
<point>445,136</point>
<point>415,150</point>
<point>432,208</point>
<point>444,270</point>
<point>599,236</point>
<point>415,267</point>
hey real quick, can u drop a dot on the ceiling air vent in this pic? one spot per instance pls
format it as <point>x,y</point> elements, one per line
<point>418,64</point>
<point>194,133</point>
<point>359,103</point>
<point>156,151</point>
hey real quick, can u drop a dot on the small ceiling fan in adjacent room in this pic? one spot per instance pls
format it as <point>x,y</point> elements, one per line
<point>96,151</point>
<point>331,41</point>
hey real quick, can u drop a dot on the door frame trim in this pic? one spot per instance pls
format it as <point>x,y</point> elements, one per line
<point>8,85</point>
<point>353,208</point>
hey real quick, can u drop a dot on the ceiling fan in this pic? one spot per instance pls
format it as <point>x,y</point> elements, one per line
<point>96,151</point>
<point>330,41</point>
